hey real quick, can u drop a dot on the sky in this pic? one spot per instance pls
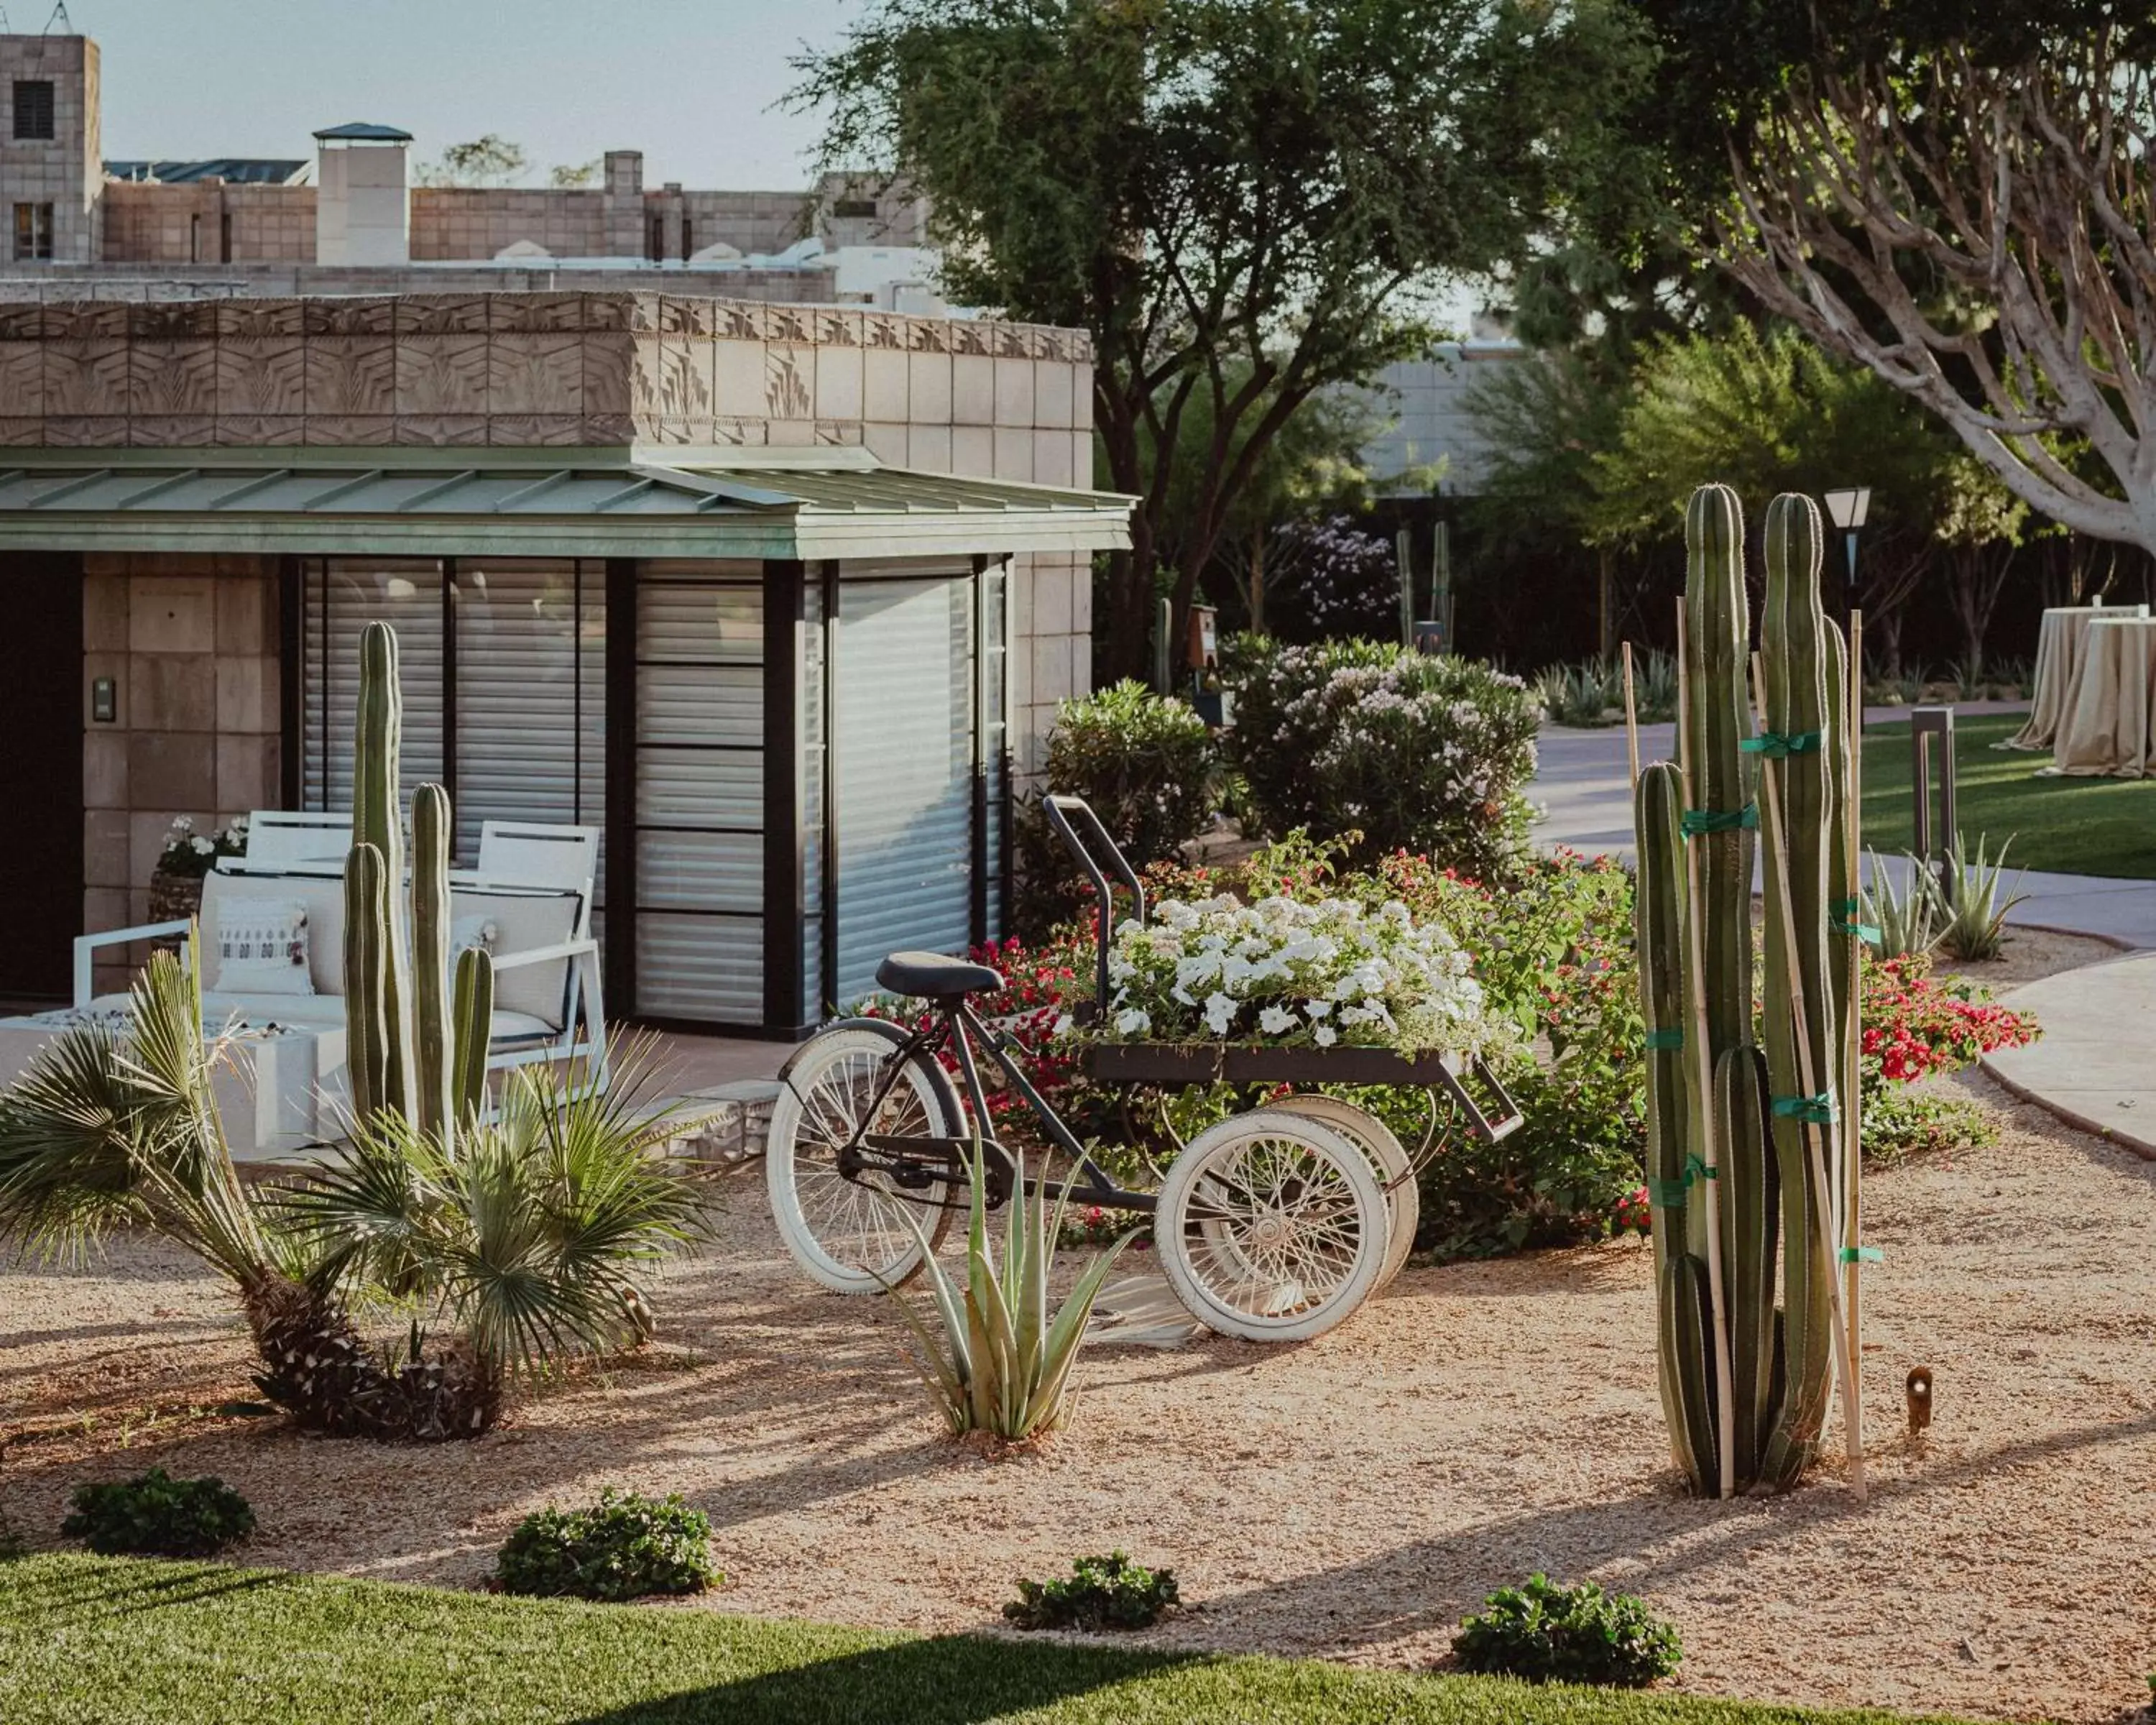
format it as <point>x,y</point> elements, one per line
<point>690,82</point>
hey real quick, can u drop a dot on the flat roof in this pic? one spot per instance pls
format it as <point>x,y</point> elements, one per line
<point>635,501</point>
<point>364,131</point>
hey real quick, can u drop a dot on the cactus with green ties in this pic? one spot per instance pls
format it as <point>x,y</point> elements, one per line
<point>1747,1164</point>
<point>416,1046</point>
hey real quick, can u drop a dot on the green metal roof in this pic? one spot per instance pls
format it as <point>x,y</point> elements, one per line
<point>446,502</point>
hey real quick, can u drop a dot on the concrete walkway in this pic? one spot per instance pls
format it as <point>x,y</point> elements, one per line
<point>2094,1066</point>
<point>1584,782</point>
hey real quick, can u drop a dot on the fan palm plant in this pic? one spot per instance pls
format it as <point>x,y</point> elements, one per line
<point>523,1242</point>
<point>527,1232</point>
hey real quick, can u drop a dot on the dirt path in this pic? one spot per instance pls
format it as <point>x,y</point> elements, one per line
<point>1351,1497</point>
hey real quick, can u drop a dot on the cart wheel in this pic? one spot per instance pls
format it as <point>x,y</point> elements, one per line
<point>1271,1227</point>
<point>1387,1154</point>
<point>851,1236</point>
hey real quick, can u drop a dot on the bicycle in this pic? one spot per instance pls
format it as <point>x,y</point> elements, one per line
<point>1273,1224</point>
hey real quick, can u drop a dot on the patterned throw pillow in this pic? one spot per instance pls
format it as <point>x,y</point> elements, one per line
<point>262,947</point>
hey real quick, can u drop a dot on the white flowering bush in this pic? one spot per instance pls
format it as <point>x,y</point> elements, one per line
<point>1416,753</point>
<point>1283,971</point>
<point>194,855</point>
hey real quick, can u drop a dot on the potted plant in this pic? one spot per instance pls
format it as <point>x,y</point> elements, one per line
<point>176,883</point>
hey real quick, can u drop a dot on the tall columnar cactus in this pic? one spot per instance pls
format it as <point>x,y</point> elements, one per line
<point>415,1050</point>
<point>1739,1143</point>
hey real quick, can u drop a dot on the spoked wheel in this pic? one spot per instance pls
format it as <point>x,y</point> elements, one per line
<point>1271,1227</point>
<point>1387,1154</point>
<point>851,1234</point>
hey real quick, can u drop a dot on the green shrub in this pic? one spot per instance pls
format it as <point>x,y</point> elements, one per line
<point>1149,769</point>
<point>1568,1635</point>
<point>1901,1121</point>
<point>1412,752</point>
<point>156,1515</point>
<point>624,1548</point>
<point>1100,1592</point>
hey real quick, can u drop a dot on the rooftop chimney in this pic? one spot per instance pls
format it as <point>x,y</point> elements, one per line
<point>363,210</point>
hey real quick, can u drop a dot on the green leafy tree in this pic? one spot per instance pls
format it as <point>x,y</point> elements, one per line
<point>1544,420</point>
<point>1771,413</point>
<point>566,176</point>
<point>488,161</point>
<point>1243,201</point>
<point>1312,466</point>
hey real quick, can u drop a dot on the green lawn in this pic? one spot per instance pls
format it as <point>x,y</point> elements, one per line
<point>111,1641</point>
<point>2076,826</point>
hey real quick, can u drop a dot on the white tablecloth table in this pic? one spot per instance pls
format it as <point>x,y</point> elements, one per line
<point>2060,643</point>
<point>2104,729</point>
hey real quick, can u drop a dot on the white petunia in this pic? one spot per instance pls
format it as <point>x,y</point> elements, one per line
<point>1135,1021</point>
<point>1219,1014</point>
<point>1275,1020</point>
<point>1325,1035</point>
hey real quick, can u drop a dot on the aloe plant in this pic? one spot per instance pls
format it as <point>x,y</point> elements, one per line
<point>1002,1361</point>
<point>1744,1150</point>
<point>1975,920</point>
<point>1899,924</point>
<point>417,1047</point>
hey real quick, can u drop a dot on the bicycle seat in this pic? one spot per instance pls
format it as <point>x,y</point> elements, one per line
<point>933,976</point>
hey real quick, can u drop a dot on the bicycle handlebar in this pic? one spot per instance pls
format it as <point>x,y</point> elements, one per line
<point>1059,809</point>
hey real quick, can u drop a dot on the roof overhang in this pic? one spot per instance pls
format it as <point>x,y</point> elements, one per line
<point>625,501</point>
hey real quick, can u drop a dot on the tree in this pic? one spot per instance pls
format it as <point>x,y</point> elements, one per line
<point>1767,413</point>
<point>1544,420</point>
<point>567,175</point>
<point>1979,527</point>
<point>1313,465</point>
<point>488,160</point>
<point>1971,222</point>
<point>1242,201</point>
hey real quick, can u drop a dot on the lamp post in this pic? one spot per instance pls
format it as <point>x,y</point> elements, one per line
<point>1848,509</point>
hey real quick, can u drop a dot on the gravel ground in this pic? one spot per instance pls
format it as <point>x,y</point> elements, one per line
<point>1353,1497</point>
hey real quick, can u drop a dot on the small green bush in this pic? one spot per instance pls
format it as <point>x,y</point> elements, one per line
<point>1412,752</point>
<point>1904,1119</point>
<point>158,1516</point>
<point>1549,1634</point>
<point>1149,767</point>
<point>1100,1593</point>
<point>624,1548</point>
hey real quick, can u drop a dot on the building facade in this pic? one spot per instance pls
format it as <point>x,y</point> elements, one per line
<point>351,211</point>
<point>781,598</point>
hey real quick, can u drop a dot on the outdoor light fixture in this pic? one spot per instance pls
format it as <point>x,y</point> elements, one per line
<point>1848,510</point>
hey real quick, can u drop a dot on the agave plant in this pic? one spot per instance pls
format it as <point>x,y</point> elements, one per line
<point>1975,920</point>
<point>1578,693</point>
<point>1906,922</point>
<point>1003,1361</point>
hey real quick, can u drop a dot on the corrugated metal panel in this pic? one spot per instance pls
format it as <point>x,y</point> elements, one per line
<point>700,807</point>
<point>531,695</point>
<point>709,968</point>
<point>995,725</point>
<point>902,678</point>
<point>815,762</point>
<point>343,596</point>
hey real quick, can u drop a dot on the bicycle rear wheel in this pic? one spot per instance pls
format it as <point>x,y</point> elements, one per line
<point>851,1234</point>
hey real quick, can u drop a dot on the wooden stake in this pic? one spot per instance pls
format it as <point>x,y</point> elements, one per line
<point>1852,1297</point>
<point>1710,1153</point>
<point>1775,835</point>
<point>1631,718</point>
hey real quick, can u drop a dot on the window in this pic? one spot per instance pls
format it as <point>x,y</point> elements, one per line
<point>194,240</point>
<point>224,238</point>
<point>853,207</point>
<point>33,232</point>
<point>34,107</point>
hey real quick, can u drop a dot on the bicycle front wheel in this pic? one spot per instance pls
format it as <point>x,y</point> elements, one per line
<point>851,1234</point>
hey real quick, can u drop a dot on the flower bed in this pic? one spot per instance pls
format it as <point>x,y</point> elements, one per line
<point>1288,972</point>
